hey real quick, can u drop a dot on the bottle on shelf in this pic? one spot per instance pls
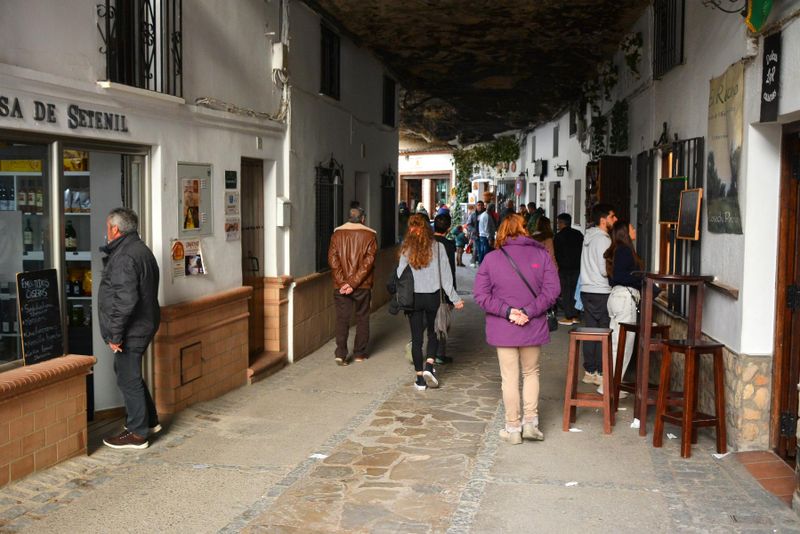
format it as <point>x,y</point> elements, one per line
<point>22,198</point>
<point>3,198</point>
<point>31,197</point>
<point>86,284</point>
<point>27,237</point>
<point>70,238</point>
<point>39,199</point>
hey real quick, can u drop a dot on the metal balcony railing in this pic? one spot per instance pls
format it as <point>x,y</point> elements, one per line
<point>142,42</point>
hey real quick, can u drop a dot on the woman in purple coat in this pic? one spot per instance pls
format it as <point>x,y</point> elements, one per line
<point>516,321</point>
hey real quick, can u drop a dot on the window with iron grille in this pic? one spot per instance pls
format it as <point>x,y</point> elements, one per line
<point>389,89</point>
<point>388,208</point>
<point>680,256</point>
<point>330,63</point>
<point>555,141</point>
<point>142,41</point>
<point>330,209</point>
<point>668,17</point>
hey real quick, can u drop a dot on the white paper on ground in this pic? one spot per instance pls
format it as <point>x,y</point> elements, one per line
<point>622,409</point>
<point>200,466</point>
<point>671,436</point>
<point>635,423</point>
<point>573,429</point>
<point>720,456</point>
<point>573,483</point>
<point>318,456</point>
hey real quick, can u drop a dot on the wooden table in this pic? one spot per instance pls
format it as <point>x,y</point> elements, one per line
<point>696,285</point>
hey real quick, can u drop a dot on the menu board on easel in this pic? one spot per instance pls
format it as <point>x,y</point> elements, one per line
<point>689,216</point>
<point>39,315</point>
<point>669,202</point>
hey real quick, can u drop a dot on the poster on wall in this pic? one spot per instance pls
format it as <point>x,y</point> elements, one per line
<point>231,203</point>
<point>195,200</point>
<point>187,258</point>
<point>725,127</point>
<point>191,204</point>
<point>233,229</point>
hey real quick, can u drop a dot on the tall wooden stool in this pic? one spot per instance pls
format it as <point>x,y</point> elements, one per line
<point>689,419</point>
<point>573,399</point>
<point>661,330</point>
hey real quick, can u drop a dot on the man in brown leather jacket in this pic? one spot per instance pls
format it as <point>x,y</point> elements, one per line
<point>351,257</point>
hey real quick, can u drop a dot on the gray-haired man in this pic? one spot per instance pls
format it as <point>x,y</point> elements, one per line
<point>129,314</point>
<point>351,257</point>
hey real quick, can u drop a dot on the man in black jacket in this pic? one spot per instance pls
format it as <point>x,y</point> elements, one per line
<point>129,314</point>
<point>568,244</point>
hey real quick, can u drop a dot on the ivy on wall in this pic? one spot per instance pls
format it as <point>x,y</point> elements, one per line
<point>618,140</point>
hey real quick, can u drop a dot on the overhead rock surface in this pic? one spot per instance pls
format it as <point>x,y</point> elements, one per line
<point>472,68</point>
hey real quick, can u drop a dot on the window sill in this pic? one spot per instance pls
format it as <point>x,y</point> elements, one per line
<point>129,89</point>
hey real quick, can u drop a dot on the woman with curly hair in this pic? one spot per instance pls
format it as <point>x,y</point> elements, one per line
<point>515,286</point>
<point>430,267</point>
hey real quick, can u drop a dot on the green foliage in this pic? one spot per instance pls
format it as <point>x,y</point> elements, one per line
<point>501,150</point>
<point>618,140</point>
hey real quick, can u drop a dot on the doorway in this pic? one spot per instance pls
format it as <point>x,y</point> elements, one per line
<point>411,192</point>
<point>555,200</point>
<point>252,202</point>
<point>787,301</point>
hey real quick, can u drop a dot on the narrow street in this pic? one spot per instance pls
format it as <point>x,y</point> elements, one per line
<point>321,448</point>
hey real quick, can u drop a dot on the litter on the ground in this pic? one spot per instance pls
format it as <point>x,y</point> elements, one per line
<point>720,456</point>
<point>318,456</point>
<point>573,483</point>
<point>200,466</point>
<point>671,436</point>
<point>573,429</point>
<point>635,423</point>
<point>622,409</point>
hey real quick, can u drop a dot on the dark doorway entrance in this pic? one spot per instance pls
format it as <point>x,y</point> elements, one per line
<point>787,302</point>
<point>252,202</point>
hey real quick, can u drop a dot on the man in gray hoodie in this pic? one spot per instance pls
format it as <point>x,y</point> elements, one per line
<point>595,287</point>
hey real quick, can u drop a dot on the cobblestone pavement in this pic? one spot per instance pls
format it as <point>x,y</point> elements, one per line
<point>321,448</point>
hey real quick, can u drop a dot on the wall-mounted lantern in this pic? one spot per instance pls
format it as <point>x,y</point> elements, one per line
<point>561,168</point>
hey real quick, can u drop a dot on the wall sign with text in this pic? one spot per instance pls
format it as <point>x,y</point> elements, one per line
<point>771,78</point>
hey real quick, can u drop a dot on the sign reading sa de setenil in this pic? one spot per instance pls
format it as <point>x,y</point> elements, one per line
<point>39,315</point>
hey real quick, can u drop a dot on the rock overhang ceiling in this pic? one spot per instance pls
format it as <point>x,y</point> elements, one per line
<point>473,68</point>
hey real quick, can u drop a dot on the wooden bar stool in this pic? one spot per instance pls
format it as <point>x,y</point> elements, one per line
<point>689,419</point>
<point>655,345</point>
<point>573,399</point>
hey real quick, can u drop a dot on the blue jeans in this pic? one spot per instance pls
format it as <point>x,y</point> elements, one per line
<point>483,248</point>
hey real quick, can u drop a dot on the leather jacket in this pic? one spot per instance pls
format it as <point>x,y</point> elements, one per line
<point>351,255</point>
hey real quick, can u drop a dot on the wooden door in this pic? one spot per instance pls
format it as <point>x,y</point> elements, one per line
<point>252,206</point>
<point>787,313</point>
<point>615,187</point>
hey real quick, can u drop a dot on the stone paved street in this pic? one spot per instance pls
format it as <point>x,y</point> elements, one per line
<point>321,448</point>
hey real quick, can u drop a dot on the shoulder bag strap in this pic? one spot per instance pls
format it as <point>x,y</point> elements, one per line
<point>439,268</point>
<point>516,269</point>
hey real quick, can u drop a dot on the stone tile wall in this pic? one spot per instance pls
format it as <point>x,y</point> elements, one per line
<point>748,389</point>
<point>42,415</point>
<point>312,299</point>
<point>201,349</point>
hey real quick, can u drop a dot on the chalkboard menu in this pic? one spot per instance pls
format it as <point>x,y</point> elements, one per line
<point>670,199</point>
<point>40,315</point>
<point>689,216</point>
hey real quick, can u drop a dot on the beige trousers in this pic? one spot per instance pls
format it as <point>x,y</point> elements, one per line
<point>511,360</point>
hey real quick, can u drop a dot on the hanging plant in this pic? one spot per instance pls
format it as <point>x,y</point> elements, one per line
<point>631,47</point>
<point>607,73</point>
<point>618,140</point>
<point>591,93</point>
<point>598,136</point>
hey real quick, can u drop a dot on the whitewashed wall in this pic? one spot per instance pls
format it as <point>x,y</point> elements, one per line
<point>321,126</point>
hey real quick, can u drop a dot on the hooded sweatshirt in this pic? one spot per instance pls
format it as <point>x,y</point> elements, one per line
<point>593,266</point>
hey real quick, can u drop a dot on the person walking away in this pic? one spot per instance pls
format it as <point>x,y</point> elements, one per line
<point>595,288</point>
<point>460,238</point>
<point>568,243</point>
<point>474,232</point>
<point>515,286</point>
<point>544,235</point>
<point>351,257</point>
<point>621,262</point>
<point>507,210</point>
<point>496,220</point>
<point>486,230</point>
<point>129,315</point>
<point>523,210</point>
<point>441,225</point>
<point>534,218</point>
<point>422,211</point>
<point>402,219</point>
<point>428,261</point>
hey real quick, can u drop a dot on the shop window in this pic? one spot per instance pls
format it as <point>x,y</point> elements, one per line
<point>555,141</point>
<point>668,17</point>
<point>389,101</point>
<point>329,209</point>
<point>388,209</point>
<point>330,63</point>
<point>679,256</point>
<point>142,41</point>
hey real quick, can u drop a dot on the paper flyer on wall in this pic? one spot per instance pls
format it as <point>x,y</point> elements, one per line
<point>187,258</point>
<point>233,229</point>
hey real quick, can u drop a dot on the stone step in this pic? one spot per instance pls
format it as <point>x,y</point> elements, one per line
<point>264,365</point>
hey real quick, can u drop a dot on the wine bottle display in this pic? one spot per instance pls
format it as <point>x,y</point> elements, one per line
<point>70,238</point>
<point>27,237</point>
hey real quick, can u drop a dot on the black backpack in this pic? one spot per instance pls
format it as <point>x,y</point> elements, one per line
<point>402,290</point>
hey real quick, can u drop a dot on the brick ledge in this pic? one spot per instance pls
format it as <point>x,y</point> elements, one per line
<point>192,307</point>
<point>23,379</point>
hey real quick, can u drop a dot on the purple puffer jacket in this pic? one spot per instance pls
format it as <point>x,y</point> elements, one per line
<point>498,288</point>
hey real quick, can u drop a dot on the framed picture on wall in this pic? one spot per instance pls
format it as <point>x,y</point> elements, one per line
<point>195,202</point>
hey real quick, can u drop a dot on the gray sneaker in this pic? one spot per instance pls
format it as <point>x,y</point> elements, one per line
<point>514,438</point>
<point>532,432</point>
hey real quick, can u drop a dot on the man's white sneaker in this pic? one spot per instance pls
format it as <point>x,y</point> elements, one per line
<point>589,378</point>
